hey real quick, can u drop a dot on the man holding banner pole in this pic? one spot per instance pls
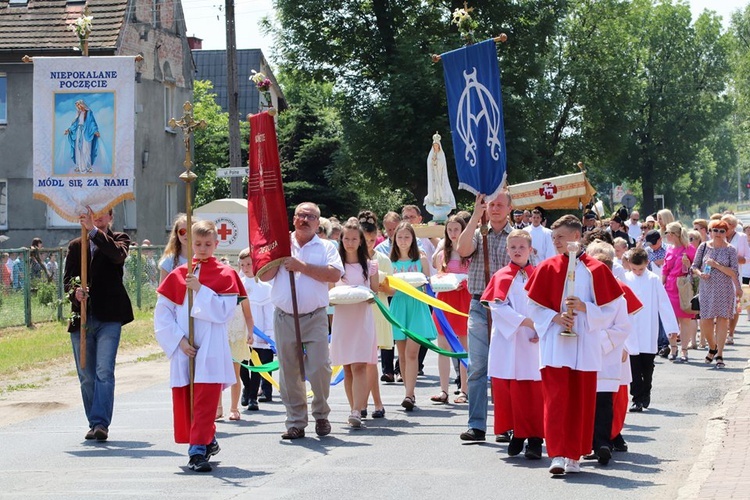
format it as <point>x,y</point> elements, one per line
<point>470,244</point>
<point>313,264</point>
<point>108,308</point>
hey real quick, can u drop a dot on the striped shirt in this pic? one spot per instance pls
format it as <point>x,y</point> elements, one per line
<point>498,257</point>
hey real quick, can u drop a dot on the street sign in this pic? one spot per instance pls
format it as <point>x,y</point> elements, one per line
<point>629,201</point>
<point>232,172</point>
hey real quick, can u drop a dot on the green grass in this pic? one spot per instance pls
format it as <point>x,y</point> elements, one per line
<point>23,349</point>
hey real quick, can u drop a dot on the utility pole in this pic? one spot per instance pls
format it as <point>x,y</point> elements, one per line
<point>233,97</point>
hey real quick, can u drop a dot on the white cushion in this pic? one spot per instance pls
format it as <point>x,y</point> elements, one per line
<point>446,282</point>
<point>413,278</point>
<point>348,294</point>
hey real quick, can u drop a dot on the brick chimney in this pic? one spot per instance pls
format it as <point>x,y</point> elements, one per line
<point>195,43</point>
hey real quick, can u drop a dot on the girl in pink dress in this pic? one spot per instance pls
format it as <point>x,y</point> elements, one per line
<point>353,340</point>
<point>677,263</point>
<point>448,261</point>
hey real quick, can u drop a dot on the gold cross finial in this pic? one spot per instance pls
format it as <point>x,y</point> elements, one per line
<point>188,125</point>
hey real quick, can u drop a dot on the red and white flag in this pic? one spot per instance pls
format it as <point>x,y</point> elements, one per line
<point>266,208</point>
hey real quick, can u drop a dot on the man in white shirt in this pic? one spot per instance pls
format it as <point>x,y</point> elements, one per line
<point>541,237</point>
<point>739,241</point>
<point>634,225</point>
<point>314,263</point>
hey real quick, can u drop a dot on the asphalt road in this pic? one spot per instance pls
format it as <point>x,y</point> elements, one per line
<point>405,455</point>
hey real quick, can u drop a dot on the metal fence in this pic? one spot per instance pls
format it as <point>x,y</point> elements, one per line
<point>31,292</point>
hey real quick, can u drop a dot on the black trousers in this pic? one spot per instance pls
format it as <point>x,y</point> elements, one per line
<point>603,420</point>
<point>386,361</point>
<point>251,381</point>
<point>396,368</point>
<point>642,366</point>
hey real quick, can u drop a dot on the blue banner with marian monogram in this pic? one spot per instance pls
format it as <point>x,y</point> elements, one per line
<point>475,108</point>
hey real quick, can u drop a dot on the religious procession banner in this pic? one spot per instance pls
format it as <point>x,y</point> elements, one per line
<point>84,132</point>
<point>475,109</point>
<point>566,192</point>
<point>266,208</point>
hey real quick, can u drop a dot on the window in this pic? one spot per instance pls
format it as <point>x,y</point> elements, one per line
<point>3,203</point>
<point>171,206</point>
<point>55,221</point>
<point>156,14</point>
<point>168,106</point>
<point>17,2</point>
<point>3,98</point>
<point>129,211</point>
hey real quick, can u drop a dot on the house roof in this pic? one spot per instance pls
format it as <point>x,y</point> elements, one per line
<point>41,25</point>
<point>212,65</point>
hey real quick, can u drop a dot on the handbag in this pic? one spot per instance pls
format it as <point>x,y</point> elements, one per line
<point>687,293</point>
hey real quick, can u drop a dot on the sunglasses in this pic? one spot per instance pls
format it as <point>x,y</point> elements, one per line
<point>182,231</point>
<point>720,231</point>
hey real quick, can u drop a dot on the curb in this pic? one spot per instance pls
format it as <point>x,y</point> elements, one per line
<point>716,431</point>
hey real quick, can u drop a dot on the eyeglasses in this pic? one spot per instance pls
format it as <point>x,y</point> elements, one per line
<point>306,216</point>
<point>182,231</point>
<point>721,231</point>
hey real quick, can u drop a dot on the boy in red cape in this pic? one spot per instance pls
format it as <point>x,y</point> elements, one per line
<point>513,360</point>
<point>216,291</point>
<point>569,363</point>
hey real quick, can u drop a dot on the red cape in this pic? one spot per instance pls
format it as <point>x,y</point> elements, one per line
<point>547,284</point>
<point>634,303</point>
<point>500,282</point>
<point>219,277</point>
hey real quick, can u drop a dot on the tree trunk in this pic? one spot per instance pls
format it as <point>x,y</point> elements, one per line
<point>647,184</point>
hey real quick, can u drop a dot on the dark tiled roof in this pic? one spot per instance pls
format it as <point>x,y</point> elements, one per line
<point>43,24</point>
<point>212,65</point>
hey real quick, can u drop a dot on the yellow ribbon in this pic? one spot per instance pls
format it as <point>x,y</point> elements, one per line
<point>403,286</point>
<point>267,376</point>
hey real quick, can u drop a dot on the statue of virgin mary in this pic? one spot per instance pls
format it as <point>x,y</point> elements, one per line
<point>439,200</point>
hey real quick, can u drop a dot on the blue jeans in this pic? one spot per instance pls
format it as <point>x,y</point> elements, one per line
<point>98,378</point>
<point>479,347</point>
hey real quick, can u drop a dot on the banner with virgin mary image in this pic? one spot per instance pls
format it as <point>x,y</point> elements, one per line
<point>84,132</point>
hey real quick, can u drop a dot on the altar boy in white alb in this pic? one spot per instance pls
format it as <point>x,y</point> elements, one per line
<point>216,290</point>
<point>569,363</point>
<point>513,360</point>
<point>648,288</point>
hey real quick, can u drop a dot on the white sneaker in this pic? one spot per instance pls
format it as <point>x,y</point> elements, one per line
<point>355,420</point>
<point>558,466</point>
<point>573,466</point>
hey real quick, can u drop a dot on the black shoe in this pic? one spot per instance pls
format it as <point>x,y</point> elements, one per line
<point>591,456</point>
<point>90,435</point>
<point>619,444</point>
<point>265,398</point>
<point>198,463</point>
<point>472,435</point>
<point>505,437</point>
<point>420,373</point>
<point>604,454</point>
<point>646,401</point>
<point>664,351</point>
<point>245,398</point>
<point>387,377</point>
<point>515,446</point>
<point>636,408</point>
<point>253,405</point>
<point>534,449</point>
<point>363,413</point>
<point>212,449</point>
<point>101,433</point>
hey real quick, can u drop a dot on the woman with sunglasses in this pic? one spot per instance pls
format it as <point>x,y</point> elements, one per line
<point>176,251</point>
<point>677,263</point>
<point>716,265</point>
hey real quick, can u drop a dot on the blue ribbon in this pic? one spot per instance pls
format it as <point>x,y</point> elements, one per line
<point>265,338</point>
<point>446,328</point>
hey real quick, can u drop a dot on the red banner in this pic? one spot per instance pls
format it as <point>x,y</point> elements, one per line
<point>266,208</point>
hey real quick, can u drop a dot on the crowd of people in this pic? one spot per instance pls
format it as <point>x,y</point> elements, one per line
<point>551,340</point>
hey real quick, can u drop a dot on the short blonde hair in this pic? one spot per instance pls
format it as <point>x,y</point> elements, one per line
<point>205,228</point>
<point>520,233</point>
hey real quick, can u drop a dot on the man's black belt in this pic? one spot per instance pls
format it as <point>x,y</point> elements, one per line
<point>477,296</point>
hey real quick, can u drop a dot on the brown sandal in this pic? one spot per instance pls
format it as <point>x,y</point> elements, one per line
<point>440,398</point>
<point>234,414</point>
<point>462,398</point>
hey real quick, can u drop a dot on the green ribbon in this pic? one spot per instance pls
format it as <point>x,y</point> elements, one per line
<point>274,365</point>
<point>268,367</point>
<point>416,337</point>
